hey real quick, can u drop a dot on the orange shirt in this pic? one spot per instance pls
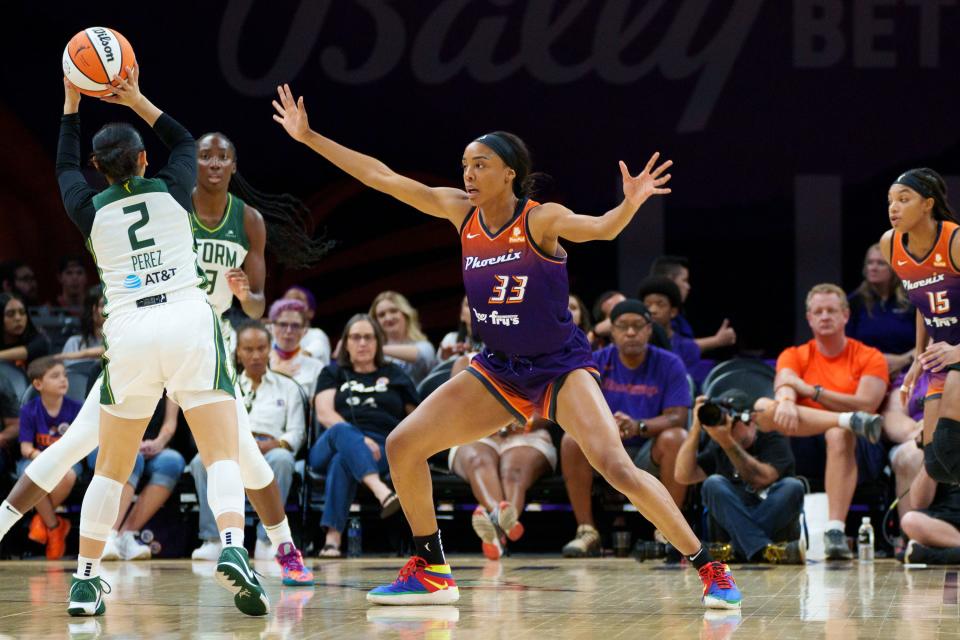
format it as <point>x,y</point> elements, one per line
<point>840,373</point>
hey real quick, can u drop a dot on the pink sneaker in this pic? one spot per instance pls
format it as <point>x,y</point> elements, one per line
<point>294,572</point>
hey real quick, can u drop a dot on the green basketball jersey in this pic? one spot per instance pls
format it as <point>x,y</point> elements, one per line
<point>221,249</point>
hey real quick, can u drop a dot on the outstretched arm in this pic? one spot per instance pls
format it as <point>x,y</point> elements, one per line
<point>552,221</point>
<point>441,202</point>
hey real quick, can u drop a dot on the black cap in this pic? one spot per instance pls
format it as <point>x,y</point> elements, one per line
<point>630,305</point>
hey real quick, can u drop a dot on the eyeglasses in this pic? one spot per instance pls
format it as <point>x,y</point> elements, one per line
<point>626,326</point>
<point>361,337</point>
<point>288,326</point>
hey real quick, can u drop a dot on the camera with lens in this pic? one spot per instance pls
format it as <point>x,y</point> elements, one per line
<point>714,412</point>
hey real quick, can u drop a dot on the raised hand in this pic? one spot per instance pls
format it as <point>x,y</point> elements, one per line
<point>649,182</point>
<point>71,97</point>
<point>292,115</point>
<point>126,91</point>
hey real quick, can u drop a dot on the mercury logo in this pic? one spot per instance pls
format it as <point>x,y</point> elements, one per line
<point>105,40</point>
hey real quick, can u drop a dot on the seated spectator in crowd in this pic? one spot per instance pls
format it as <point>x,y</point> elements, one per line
<point>360,399</point>
<point>162,467</point>
<point>677,268</point>
<point>748,488</point>
<point>87,346</point>
<point>500,469</point>
<point>881,316</point>
<point>73,285</point>
<point>288,318</point>
<point>277,420</point>
<point>933,527</point>
<point>581,315</point>
<point>602,306</point>
<point>661,296</point>
<point>406,345</point>
<point>21,343</point>
<point>459,342</point>
<point>903,427</point>
<point>18,277</point>
<point>314,342</point>
<point>9,425</point>
<point>42,421</point>
<point>839,374</point>
<point>647,390</point>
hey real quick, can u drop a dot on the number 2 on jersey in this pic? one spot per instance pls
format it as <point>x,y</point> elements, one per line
<point>516,292</point>
<point>135,243</point>
<point>939,302</point>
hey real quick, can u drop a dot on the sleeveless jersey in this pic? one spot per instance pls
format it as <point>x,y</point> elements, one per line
<point>142,242</point>
<point>932,283</point>
<point>518,294</point>
<point>220,249</point>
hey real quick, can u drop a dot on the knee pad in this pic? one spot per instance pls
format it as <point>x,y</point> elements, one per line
<point>101,504</point>
<point>254,470</point>
<point>224,488</point>
<point>933,467</point>
<point>946,448</point>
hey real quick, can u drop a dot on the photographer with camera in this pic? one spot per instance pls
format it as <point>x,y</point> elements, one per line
<point>747,485</point>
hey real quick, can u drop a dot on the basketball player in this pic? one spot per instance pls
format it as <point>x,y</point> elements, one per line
<point>229,232</point>
<point>923,248</point>
<point>160,331</point>
<point>535,362</point>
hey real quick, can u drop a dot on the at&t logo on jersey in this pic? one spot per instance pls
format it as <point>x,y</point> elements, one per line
<point>132,281</point>
<point>478,263</point>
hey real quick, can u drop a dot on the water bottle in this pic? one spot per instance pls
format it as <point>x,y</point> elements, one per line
<point>865,541</point>
<point>354,538</point>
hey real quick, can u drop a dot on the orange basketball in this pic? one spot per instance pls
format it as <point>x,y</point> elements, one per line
<point>94,57</point>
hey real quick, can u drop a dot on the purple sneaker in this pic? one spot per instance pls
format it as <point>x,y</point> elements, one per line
<point>294,572</point>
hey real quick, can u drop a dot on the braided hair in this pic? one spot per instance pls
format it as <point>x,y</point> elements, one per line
<point>285,216</point>
<point>930,184</point>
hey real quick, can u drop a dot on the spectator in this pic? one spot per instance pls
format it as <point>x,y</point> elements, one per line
<point>42,421</point>
<point>881,316</point>
<point>677,268</point>
<point>748,488</point>
<point>459,342</point>
<point>406,345</point>
<point>360,400</point>
<point>87,346</point>
<point>500,469</point>
<point>162,467</point>
<point>18,277</point>
<point>288,319</point>
<point>315,342</point>
<point>22,343</point>
<point>647,390</point>
<point>275,405</point>
<point>839,374</point>
<point>602,306</point>
<point>9,426</point>
<point>934,527</point>
<point>581,315</point>
<point>73,285</point>
<point>661,296</point>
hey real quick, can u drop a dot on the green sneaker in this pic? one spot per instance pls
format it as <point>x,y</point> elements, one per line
<point>235,575</point>
<point>86,596</point>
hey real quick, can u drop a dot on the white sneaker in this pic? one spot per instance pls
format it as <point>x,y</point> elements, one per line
<point>111,550</point>
<point>264,551</point>
<point>209,550</point>
<point>131,548</point>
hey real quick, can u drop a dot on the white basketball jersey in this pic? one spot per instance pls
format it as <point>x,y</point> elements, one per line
<point>142,242</point>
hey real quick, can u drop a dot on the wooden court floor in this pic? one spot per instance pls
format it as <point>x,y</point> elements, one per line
<point>538,598</point>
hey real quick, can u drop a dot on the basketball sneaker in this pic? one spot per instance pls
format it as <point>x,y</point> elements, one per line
<point>132,549</point>
<point>235,575</point>
<point>835,545</point>
<point>110,549</point>
<point>867,425</point>
<point>38,530</point>
<point>509,521</point>
<point>721,551</point>
<point>418,583</point>
<point>719,588</point>
<point>293,571</point>
<point>587,543</point>
<point>785,552</point>
<point>86,596</point>
<point>484,527</point>
<point>57,539</point>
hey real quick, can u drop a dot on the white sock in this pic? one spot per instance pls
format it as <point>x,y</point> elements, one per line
<point>231,537</point>
<point>9,517</point>
<point>279,533</point>
<point>835,525</point>
<point>843,419</point>
<point>87,567</point>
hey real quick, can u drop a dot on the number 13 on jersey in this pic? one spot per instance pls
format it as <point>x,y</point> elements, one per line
<point>939,302</point>
<point>503,287</point>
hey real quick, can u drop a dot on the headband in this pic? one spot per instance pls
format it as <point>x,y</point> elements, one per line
<point>910,180</point>
<point>502,148</point>
<point>629,306</point>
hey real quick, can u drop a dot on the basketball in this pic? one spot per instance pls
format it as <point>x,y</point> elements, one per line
<point>93,57</point>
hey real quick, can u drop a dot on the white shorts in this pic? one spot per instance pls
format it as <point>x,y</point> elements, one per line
<point>538,439</point>
<point>176,344</point>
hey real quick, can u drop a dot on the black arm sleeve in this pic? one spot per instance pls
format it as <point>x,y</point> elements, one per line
<point>77,195</point>
<point>180,174</point>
